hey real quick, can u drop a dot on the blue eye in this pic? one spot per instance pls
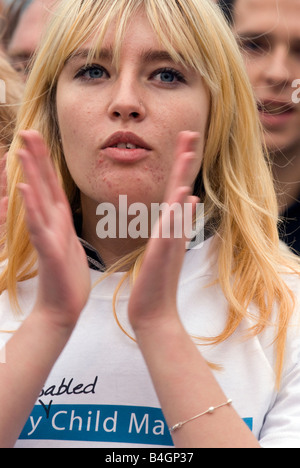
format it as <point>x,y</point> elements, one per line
<point>92,72</point>
<point>168,75</point>
<point>95,73</point>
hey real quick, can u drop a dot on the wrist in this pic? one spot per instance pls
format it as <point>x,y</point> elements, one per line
<point>157,329</point>
<point>57,317</point>
<point>46,321</point>
<point>36,345</point>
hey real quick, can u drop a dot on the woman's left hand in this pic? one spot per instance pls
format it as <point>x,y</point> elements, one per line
<point>153,297</point>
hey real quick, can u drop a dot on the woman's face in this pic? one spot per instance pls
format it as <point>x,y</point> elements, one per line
<point>119,126</point>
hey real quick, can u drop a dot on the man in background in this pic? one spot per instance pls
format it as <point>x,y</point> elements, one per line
<point>269,35</point>
<point>24,25</point>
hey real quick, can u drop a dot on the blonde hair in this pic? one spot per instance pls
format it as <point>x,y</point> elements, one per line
<point>235,182</point>
<point>11,94</point>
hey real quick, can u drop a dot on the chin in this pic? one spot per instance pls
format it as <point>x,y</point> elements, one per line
<point>276,144</point>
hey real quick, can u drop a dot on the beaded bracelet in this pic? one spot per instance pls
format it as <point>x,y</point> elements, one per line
<point>209,411</point>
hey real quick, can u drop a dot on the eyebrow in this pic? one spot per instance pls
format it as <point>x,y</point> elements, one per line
<point>147,56</point>
<point>84,53</point>
<point>156,56</point>
<point>252,35</point>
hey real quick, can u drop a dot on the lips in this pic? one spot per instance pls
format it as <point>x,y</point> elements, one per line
<point>273,107</point>
<point>125,148</point>
<point>276,115</point>
<point>126,141</point>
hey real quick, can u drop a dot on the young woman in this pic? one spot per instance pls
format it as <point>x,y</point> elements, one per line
<point>148,100</point>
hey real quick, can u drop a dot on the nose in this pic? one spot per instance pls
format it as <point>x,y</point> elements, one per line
<point>126,102</point>
<point>277,71</point>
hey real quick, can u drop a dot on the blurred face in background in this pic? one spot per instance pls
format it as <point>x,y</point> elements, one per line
<point>269,32</point>
<point>28,33</point>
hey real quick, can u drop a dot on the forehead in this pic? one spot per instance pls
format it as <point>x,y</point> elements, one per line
<point>138,39</point>
<point>138,26</point>
<point>270,16</point>
<point>138,35</point>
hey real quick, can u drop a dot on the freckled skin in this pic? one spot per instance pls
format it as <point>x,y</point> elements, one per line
<point>136,100</point>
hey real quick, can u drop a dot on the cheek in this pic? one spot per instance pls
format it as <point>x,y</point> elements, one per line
<point>74,116</point>
<point>73,125</point>
<point>76,134</point>
<point>253,71</point>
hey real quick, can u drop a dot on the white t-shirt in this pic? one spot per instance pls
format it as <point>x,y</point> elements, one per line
<point>99,393</point>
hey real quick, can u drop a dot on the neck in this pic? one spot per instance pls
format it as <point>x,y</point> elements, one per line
<point>286,171</point>
<point>109,236</point>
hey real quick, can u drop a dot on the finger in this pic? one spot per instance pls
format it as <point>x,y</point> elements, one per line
<point>35,144</point>
<point>33,217</point>
<point>191,220</point>
<point>170,224</point>
<point>184,214</point>
<point>187,142</point>
<point>187,162</point>
<point>38,189</point>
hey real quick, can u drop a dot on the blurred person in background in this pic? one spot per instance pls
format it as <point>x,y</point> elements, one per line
<point>23,29</point>
<point>10,99</point>
<point>269,34</point>
<point>11,91</point>
<point>1,18</point>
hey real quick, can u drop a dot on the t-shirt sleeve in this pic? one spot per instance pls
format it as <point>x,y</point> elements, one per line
<point>281,428</point>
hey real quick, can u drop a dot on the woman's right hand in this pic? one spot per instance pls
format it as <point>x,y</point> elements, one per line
<point>64,279</point>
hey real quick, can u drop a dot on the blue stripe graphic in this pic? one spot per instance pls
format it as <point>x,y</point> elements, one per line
<point>100,423</point>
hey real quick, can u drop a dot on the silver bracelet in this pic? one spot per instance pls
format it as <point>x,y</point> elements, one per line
<point>209,411</point>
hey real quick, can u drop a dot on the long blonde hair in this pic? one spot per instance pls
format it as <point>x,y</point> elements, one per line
<point>235,183</point>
